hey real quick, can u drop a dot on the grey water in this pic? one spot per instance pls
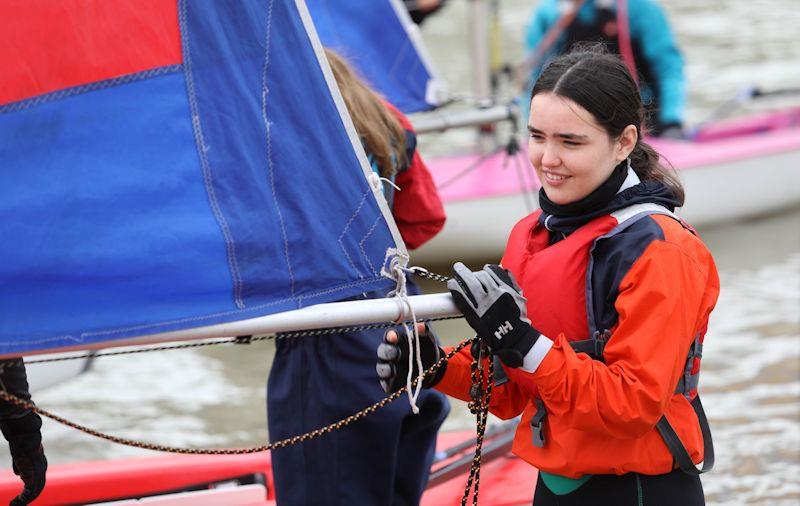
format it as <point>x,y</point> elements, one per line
<point>214,397</point>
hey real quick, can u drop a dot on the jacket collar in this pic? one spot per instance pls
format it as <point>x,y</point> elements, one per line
<point>632,191</point>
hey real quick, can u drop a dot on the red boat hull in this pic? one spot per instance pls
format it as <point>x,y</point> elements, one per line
<point>505,480</point>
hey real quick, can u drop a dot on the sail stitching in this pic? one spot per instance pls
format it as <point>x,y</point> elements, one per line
<point>364,239</point>
<point>89,87</point>
<point>344,231</point>
<point>202,150</point>
<point>396,63</point>
<point>267,125</point>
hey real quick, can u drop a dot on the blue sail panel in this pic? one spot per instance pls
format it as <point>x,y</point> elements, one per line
<point>375,36</point>
<point>219,189</point>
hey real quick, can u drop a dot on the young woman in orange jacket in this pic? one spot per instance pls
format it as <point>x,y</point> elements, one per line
<point>596,319</point>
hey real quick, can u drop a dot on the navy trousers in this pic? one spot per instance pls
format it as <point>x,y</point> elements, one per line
<point>383,459</point>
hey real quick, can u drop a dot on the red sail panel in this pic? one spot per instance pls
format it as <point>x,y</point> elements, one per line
<point>51,45</point>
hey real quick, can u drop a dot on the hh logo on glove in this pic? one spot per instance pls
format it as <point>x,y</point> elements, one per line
<point>503,330</point>
<point>494,307</point>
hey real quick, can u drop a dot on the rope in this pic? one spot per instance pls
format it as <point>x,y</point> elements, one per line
<point>479,406</point>
<point>397,268</point>
<point>230,451</point>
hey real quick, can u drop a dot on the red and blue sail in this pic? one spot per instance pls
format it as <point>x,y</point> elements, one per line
<point>171,164</point>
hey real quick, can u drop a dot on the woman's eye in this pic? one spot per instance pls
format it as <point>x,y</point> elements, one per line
<point>537,137</point>
<point>572,143</point>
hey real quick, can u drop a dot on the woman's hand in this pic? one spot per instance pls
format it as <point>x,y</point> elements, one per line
<point>393,358</point>
<point>494,307</point>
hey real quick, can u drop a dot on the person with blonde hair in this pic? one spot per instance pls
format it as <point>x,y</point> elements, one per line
<point>384,458</point>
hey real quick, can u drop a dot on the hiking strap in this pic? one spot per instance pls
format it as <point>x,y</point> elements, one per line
<point>677,449</point>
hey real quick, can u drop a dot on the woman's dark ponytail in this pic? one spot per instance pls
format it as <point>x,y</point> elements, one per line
<point>649,166</point>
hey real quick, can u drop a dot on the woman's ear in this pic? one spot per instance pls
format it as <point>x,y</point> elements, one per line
<point>626,142</point>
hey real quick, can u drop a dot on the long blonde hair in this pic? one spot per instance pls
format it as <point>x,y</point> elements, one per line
<point>381,132</point>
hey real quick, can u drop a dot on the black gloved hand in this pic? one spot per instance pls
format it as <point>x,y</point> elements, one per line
<point>393,353</point>
<point>494,307</point>
<point>27,454</point>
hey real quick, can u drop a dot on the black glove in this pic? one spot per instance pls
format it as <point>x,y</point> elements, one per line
<point>27,454</point>
<point>672,131</point>
<point>392,366</point>
<point>494,307</point>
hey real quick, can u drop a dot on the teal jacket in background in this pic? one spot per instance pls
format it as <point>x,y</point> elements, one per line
<point>658,59</point>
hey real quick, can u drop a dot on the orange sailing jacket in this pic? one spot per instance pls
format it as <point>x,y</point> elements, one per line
<point>648,281</point>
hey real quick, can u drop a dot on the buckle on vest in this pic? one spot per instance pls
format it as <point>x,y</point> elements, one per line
<point>537,424</point>
<point>688,381</point>
<point>599,339</point>
<point>697,349</point>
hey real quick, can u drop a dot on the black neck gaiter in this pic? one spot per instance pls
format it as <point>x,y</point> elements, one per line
<point>596,200</point>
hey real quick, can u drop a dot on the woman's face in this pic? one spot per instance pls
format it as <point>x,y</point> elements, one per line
<point>571,153</point>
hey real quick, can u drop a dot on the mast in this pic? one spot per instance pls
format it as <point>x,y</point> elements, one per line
<point>481,78</point>
<point>481,67</point>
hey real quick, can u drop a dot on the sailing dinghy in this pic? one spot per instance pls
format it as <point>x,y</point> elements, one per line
<point>173,171</point>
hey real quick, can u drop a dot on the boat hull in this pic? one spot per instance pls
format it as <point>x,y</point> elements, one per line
<point>738,170</point>
<point>177,480</point>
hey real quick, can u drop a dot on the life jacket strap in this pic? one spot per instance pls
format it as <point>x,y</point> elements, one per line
<point>677,449</point>
<point>688,382</point>
<point>500,376</point>
<point>594,346</point>
<point>537,424</point>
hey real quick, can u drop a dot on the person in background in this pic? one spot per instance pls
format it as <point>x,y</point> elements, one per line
<point>385,458</point>
<point>643,39</point>
<point>421,9</point>
<point>598,347</point>
<point>22,429</point>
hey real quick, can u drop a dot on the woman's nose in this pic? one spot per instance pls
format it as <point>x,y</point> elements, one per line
<point>550,156</point>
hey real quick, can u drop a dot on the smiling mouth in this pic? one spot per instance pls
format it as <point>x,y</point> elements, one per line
<point>554,177</point>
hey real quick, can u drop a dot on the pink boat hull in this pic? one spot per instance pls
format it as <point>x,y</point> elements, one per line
<point>727,164</point>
